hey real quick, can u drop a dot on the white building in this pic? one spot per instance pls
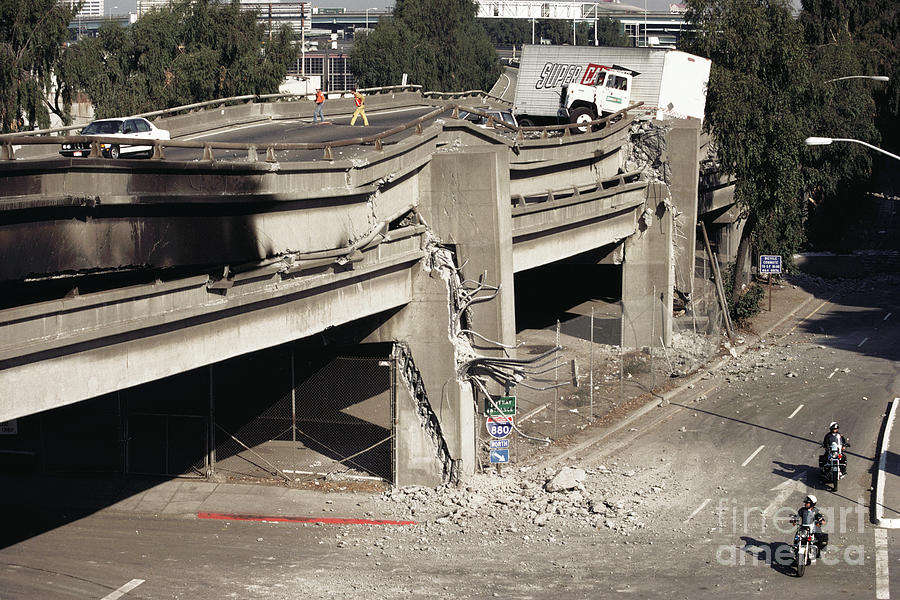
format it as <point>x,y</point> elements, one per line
<point>91,8</point>
<point>145,6</point>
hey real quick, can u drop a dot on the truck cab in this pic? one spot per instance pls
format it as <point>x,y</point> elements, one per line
<point>609,93</point>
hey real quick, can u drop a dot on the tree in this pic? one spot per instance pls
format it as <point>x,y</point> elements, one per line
<point>758,104</point>
<point>849,38</point>
<point>32,35</point>
<point>438,43</point>
<point>185,53</point>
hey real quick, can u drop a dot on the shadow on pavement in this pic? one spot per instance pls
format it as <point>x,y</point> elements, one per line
<point>777,555</point>
<point>33,505</point>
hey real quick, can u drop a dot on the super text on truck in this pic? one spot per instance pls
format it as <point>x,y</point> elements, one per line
<point>578,84</point>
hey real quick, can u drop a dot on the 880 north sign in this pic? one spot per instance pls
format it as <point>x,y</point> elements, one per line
<point>499,427</point>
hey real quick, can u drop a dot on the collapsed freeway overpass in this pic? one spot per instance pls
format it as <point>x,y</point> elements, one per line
<point>261,284</point>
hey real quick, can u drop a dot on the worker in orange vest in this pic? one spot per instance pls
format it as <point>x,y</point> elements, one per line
<point>320,104</point>
<point>360,108</point>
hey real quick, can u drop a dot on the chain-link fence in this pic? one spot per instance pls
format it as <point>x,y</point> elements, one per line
<point>611,380</point>
<point>336,422</point>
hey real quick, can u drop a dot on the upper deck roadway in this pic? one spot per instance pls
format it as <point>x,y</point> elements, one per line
<point>300,130</point>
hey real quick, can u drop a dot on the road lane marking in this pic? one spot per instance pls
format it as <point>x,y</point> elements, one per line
<point>887,316</point>
<point>824,302</point>
<point>752,456</point>
<point>882,582</point>
<point>698,509</point>
<point>795,412</point>
<point>123,590</point>
<point>865,339</point>
<point>880,521</point>
<point>785,489</point>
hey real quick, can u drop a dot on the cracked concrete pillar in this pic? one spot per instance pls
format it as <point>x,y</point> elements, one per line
<point>648,275</point>
<point>683,148</point>
<point>464,199</point>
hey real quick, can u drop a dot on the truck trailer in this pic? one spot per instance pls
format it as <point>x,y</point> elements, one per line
<point>569,84</point>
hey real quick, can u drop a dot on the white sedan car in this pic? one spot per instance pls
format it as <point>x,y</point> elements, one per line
<point>132,128</point>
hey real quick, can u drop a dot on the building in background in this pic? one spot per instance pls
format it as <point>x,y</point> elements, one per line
<point>90,8</point>
<point>145,6</point>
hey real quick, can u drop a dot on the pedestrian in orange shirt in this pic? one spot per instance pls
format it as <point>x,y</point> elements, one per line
<point>320,105</point>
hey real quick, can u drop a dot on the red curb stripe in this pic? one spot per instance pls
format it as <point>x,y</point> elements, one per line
<point>325,520</point>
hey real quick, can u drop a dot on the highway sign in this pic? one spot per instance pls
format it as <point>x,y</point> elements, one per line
<point>499,456</point>
<point>499,444</point>
<point>499,427</point>
<point>500,405</point>
<point>769,264</point>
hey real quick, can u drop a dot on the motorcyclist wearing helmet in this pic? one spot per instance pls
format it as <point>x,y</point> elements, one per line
<point>842,441</point>
<point>809,516</point>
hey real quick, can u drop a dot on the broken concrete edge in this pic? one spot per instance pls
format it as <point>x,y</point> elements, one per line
<point>666,398</point>
<point>879,519</point>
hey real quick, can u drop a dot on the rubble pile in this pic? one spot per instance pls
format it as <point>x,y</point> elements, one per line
<point>689,351</point>
<point>646,151</point>
<point>615,498</point>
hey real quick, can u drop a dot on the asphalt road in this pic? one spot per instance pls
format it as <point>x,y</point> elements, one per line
<point>336,128</point>
<point>741,446</point>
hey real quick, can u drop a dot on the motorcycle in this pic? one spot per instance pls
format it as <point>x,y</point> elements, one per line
<point>804,548</point>
<point>831,468</point>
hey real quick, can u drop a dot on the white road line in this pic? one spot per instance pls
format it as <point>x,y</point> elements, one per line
<point>123,590</point>
<point>785,489</point>
<point>752,456</point>
<point>882,583</point>
<point>880,521</point>
<point>698,509</point>
<point>887,316</point>
<point>795,411</point>
<point>865,339</point>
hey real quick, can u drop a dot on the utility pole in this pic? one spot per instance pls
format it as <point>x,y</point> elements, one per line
<point>303,40</point>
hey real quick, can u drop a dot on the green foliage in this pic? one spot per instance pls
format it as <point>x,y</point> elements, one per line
<point>744,305</point>
<point>438,43</point>
<point>188,52</point>
<point>32,34</point>
<point>758,107</point>
<point>849,38</point>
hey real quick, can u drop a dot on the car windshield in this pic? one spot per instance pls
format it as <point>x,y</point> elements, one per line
<point>102,127</point>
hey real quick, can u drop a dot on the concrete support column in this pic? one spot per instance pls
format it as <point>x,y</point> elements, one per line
<point>466,201</point>
<point>683,148</point>
<point>423,325</point>
<point>464,198</point>
<point>648,275</point>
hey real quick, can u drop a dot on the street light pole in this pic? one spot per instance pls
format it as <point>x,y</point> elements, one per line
<point>824,141</point>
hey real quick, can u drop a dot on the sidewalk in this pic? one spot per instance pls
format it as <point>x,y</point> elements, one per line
<point>336,503</point>
<point>887,484</point>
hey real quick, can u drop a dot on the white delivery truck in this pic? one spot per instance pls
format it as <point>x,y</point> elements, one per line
<point>568,84</point>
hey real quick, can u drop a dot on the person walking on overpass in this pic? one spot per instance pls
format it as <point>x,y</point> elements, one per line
<point>360,108</point>
<point>320,105</point>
